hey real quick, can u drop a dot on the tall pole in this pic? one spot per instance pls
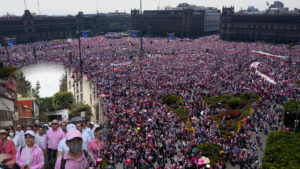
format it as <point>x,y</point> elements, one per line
<point>141,20</point>
<point>25,4</point>
<point>79,46</point>
<point>7,52</point>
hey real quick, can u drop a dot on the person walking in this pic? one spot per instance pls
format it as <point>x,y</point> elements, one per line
<point>31,155</point>
<point>40,137</point>
<point>7,147</point>
<point>75,158</point>
<point>51,141</point>
<point>15,138</point>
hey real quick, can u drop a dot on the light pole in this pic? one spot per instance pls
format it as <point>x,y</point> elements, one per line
<point>141,20</point>
<point>78,34</point>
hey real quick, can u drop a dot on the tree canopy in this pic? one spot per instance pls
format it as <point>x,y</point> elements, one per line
<point>290,113</point>
<point>77,108</point>
<point>23,85</point>
<point>62,100</point>
<point>6,71</point>
<point>63,84</point>
<point>282,151</point>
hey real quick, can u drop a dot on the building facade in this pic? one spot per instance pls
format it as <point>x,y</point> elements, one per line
<point>8,102</point>
<point>85,92</point>
<point>29,28</point>
<point>262,26</point>
<point>186,21</point>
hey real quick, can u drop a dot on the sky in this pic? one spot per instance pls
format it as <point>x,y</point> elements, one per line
<point>48,75</point>
<point>71,7</point>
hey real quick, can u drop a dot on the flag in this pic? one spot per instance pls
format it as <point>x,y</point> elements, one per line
<point>267,3</point>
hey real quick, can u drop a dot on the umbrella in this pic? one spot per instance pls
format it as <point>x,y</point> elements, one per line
<point>196,150</point>
<point>205,160</point>
<point>149,120</point>
<point>102,95</point>
<point>194,118</point>
<point>77,119</point>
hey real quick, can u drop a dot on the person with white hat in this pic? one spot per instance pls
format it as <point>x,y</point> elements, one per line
<point>31,155</point>
<point>75,158</point>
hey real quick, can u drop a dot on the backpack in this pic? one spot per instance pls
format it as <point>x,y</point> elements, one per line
<point>63,161</point>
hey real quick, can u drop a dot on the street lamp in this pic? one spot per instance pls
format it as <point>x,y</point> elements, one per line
<point>78,34</point>
<point>141,36</point>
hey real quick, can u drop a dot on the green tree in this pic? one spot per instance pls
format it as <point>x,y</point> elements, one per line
<point>290,113</point>
<point>23,86</point>
<point>282,151</point>
<point>63,84</point>
<point>36,91</point>
<point>211,151</point>
<point>77,108</point>
<point>62,100</point>
<point>6,71</point>
<point>45,104</point>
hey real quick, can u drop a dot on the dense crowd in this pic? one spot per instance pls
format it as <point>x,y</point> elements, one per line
<point>141,132</point>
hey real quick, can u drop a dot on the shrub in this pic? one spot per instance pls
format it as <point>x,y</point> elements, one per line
<point>245,96</point>
<point>282,151</point>
<point>290,112</point>
<point>233,102</point>
<point>211,151</point>
<point>234,114</point>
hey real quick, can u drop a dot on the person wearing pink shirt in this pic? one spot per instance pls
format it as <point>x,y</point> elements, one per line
<point>96,146</point>
<point>51,141</point>
<point>7,147</point>
<point>31,155</point>
<point>74,158</point>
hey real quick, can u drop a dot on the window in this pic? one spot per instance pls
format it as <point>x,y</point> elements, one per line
<point>81,98</point>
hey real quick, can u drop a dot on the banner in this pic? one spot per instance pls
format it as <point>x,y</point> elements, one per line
<point>268,54</point>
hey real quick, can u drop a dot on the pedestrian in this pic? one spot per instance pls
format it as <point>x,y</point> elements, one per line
<point>40,137</point>
<point>30,156</point>
<point>15,138</point>
<point>53,137</point>
<point>75,158</point>
<point>7,147</point>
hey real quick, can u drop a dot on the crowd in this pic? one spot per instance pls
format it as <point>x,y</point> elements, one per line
<point>141,132</point>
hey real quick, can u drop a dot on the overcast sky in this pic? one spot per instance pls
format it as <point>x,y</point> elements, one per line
<point>65,7</point>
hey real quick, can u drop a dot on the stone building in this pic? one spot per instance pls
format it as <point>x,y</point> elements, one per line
<point>183,21</point>
<point>29,28</point>
<point>278,27</point>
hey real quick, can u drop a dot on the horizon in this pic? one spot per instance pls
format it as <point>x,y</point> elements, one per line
<point>63,8</point>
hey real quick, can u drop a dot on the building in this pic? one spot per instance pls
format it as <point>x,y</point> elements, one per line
<point>85,92</point>
<point>184,21</point>
<point>28,110</point>
<point>8,102</point>
<point>29,28</point>
<point>281,27</point>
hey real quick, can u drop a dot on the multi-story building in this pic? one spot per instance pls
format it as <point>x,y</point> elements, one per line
<point>29,28</point>
<point>183,21</point>
<point>85,92</point>
<point>28,110</point>
<point>268,26</point>
<point>8,102</point>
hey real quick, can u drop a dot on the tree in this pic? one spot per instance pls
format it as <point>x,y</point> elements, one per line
<point>36,91</point>
<point>45,104</point>
<point>77,108</point>
<point>6,71</point>
<point>290,113</point>
<point>63,87</point>
<point>23,86</point>
<point>62,100</point>
<point>282,151</point>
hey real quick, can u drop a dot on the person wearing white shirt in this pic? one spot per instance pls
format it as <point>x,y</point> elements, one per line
<point>40,137</point>
<point>15,138</point>
<point>20,133</point>
<point>62,148</point>
<point>88,131</point>
<point>85,136</point>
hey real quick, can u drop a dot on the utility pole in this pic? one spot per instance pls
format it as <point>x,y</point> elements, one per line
<point>79,47</point>
<point>141,34</point>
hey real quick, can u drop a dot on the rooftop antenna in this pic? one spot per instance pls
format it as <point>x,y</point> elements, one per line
<point>97,6</point>
<point>25,4</point>
<point>38,3</point>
